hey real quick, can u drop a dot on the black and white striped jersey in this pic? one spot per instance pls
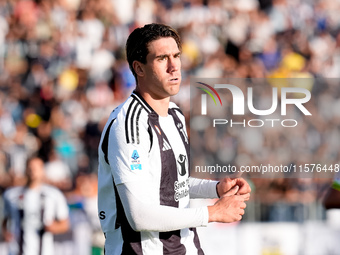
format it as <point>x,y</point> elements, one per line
<point>28,211</point>
<point>140,148</point>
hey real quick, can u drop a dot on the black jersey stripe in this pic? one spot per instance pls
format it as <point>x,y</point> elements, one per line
<point>138,97</point>
<point>132,242</point>
<point>177,109</point>
<point>180,128</point>
<point>137,124</point>
<point>197,242</point>
<point>42,216</point>
<point>141,103</point>
<point>168,163</point>
<point>172,243</point>
<point>105,143</point>
<point>127,121</point>
<point>132,122</point>
<point>22,232</point>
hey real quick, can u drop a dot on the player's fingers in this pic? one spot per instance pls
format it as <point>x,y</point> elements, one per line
<point>244,197</point>
<point>243,205</point>
<point>232,191</point>
<point>244,188</point>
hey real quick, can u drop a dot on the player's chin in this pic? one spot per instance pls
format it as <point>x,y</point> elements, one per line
<point>173,89</point>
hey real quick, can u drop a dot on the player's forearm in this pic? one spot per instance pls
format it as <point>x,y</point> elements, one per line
<point>147,217</point>
<point>201,188</point>
<point>58,227</point>
<point>165,218</point>
<point>5,233</point>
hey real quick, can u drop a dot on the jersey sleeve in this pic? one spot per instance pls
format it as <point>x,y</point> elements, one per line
<point>62,212</point>
<point>145,216</point>
<point>129,160</point>
<point>201,188</point>
<point>56,206</point>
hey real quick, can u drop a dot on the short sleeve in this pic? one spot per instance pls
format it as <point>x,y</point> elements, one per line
<point>62,211</point>
<point>129,161</point>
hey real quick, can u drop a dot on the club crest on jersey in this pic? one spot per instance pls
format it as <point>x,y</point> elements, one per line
<point>158,130</point>
<point>135,161</point>
<point>181,167</point>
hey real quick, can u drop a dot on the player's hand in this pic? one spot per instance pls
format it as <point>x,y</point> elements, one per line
<point>229,208</point>
<point>227,184</point>
<point>8,237</point>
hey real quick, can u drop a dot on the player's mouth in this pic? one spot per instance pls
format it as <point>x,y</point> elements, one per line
<point>174,79</point>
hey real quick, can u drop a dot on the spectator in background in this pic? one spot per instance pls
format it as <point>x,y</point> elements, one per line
<point>33,213</point>
<point>332,198</point>
<point>58,172</point>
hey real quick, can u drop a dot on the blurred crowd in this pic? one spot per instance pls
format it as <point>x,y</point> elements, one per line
<point>63,69</point>
<point>299,161</point>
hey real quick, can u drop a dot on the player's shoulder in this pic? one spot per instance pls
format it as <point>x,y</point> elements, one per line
<point>50,190</point>
<point>176,109</point>
<point>129,121</point>
<point>174,106</point>
<point>133,110</point>
<point>13,193</point>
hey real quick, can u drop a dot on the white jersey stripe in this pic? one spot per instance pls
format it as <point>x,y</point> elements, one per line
<point>151,245</point>
<point>132,123</point>
<point>188,240</point>
<point>137,123</point>
<point>128,121</point>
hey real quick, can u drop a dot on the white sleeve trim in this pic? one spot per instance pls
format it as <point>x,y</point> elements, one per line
<point>201,188</point>
<point>144,216</point>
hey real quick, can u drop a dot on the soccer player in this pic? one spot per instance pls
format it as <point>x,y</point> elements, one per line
<point>143,179</point>
<point>33,213</point>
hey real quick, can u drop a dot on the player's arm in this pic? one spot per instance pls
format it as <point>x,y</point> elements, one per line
<point>145,216</point>
<point>201,188</point>
<point>58,226</point>
<point>61,222</point>
<point>226,184</point>
<point>7,235</point>
<point>132,176</point>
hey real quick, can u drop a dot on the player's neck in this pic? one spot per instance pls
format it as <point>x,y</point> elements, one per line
<point>159,105</point>
<point>33,184</point>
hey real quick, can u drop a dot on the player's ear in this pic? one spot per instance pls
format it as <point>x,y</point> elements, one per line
<point>139,68</point>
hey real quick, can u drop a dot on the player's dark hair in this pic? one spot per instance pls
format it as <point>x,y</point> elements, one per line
<point>138,42</point>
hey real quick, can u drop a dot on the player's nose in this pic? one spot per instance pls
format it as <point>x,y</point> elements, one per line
<point>174,64</point>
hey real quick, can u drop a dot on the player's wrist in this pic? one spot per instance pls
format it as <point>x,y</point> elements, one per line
<point>211,212</point>
<point>218,195</point>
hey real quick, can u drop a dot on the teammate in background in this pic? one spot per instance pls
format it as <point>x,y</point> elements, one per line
<point>143,180</point>
<point>332,198</point>
<point>33,213</point>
